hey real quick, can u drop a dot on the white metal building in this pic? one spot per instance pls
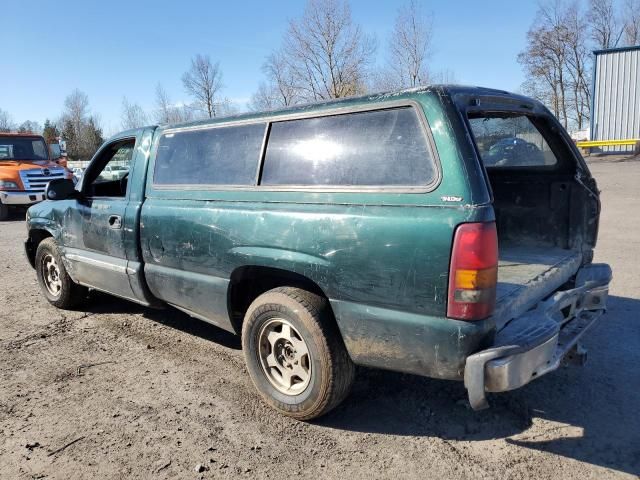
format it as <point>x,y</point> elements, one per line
<point>616,96</point>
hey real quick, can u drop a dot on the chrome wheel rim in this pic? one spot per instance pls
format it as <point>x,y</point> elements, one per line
<point>51,275</point>
<point>284,357</point>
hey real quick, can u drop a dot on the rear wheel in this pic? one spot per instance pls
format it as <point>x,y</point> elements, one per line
<point>294,353</point>
<point>4,212</point>
<point>55,282</point>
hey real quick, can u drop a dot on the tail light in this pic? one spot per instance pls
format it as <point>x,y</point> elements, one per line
<point>473,274</point>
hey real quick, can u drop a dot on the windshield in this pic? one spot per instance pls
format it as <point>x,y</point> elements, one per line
<point>22,148</point>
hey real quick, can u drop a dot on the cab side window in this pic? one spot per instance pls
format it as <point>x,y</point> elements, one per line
<point>110,177</point>
<point>210,156</point>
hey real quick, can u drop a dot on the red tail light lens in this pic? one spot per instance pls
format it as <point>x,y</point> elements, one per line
<point>473,274</point>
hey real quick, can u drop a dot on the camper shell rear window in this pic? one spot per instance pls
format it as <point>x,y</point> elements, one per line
<point>510,140</point>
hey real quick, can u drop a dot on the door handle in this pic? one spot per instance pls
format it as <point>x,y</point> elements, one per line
<point>115,221</point>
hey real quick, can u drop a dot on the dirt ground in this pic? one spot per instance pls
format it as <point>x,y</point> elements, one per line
<point>138,393</point>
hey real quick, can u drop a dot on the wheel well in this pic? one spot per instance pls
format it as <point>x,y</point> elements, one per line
<point>35,237</point>
<point>249,282</point>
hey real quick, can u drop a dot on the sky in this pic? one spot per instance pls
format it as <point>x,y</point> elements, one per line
<point>117,49</point>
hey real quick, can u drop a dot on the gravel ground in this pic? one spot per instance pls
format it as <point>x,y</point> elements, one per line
<point>120,391</point>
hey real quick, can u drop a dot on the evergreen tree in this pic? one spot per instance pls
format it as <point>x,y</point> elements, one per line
<point>50,132</point>
<point>70,137</point>
<point>93,138</point>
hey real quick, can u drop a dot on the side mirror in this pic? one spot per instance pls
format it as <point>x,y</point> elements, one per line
<point>60,189</point>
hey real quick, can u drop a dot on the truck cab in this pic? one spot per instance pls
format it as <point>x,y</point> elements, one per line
<point>26,166</point>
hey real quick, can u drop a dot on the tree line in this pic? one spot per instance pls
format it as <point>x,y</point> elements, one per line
<point>324,54</point>
<point>558,59</point>
<point>80,129</point>
<point>7,124</point>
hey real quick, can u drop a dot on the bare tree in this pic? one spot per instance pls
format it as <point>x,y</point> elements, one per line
<point>444,76</point>
<point>76,110</point>
<point>6,124</point>
<point>605,27</point>
<point>282,79</point>
<point>81,130</point>
<point>632,22</point>
<point>545,59</point>
<point>280,89</point>
<point>167,112</point>
<point>265,98</point>
<point>410,45</point>
<point>226,106</point>
<point>74,120</point>
<point>578,64</point>
<point>557,61</point>
<point>133,116</point>
<point>326,55</point>
<point>383,80</point>
<point>163,105</point>
<point>203,81</point>
<point>29,126</point>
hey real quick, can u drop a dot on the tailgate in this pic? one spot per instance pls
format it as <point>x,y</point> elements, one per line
<point>526,275</point>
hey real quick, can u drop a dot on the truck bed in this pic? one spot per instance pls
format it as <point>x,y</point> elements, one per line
<point>526,275</point>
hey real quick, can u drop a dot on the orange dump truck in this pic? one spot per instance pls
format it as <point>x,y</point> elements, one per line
<point>26,166</point>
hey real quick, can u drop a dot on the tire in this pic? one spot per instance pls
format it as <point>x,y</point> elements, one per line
<point>55,282</point>
<point>4,212</point>
<point>297,384</point>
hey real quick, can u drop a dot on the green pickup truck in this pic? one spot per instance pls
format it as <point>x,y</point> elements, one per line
<point>444,231</point>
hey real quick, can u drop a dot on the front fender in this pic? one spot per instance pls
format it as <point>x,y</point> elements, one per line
<point>44,225</point>
<point>42,222</point>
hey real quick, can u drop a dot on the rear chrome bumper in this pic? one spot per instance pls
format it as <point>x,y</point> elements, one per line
<point>537,342</point>
<point>20,198</point>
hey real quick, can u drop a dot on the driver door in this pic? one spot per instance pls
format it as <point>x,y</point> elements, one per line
<point>96,248</point>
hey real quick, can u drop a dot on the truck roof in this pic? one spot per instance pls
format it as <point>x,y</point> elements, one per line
<point>375,97</point>
<point>460,92</point>
<point>19,134</point>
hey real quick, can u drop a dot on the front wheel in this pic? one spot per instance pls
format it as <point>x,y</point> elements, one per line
<point>55,282</point>
<point>294,353</point>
